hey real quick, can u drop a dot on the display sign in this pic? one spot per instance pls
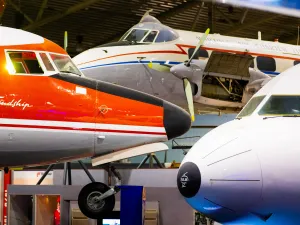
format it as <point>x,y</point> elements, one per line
<point>31,177</point>
<point>7,181</point>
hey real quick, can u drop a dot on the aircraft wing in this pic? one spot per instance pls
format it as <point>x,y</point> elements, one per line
<point>128,153</point>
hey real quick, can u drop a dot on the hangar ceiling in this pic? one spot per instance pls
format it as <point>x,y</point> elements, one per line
<point>94,22</point>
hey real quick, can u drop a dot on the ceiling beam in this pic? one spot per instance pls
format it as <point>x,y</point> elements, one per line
<point>165,15</point>
<point>197,16</point>
<point>58,16</point>
<point>178,9</point>
<point>290,40</point>
<point>249,24</point>
<point>41,11</point>
<point>20,11</point>
<point>211,17</point>
<point>293,39</point>
<point>244,16</point>
<point>3,7</point>
<point>225,17</point>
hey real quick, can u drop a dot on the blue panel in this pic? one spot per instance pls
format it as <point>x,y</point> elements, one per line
<point>286,7</point>
<point>291,4</point>
<point>131,205</point>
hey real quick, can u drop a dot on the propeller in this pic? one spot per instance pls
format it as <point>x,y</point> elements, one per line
<point>201,42</point>
<point>186,82</point>
<point>189,96</point>
<point>183,72</point>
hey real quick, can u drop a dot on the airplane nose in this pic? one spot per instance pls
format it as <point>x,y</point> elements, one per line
<point>214,178</point>
<point>176,120</point>
<point>188,179</point>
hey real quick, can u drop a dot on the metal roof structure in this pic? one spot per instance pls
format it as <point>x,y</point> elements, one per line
<point>94,22</point>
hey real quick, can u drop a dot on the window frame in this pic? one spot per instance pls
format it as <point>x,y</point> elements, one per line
<point>142,41</point>
<point>296,62</point>
<point>258,107</point>
<point>258,62</point>
<point>149,30</point>
<point>56,67</point>
<point>39,59</point>
<point>50,60</point>
<point>276,114</point>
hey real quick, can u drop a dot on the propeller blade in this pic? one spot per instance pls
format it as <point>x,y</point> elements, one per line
<point>189,97</point>
<point>66,40</point>
<point>201,42</point>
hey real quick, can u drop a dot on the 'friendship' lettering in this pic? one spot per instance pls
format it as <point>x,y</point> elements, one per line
<point>15,103</point>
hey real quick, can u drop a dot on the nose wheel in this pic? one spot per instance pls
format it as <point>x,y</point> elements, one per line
<point>96,199</point>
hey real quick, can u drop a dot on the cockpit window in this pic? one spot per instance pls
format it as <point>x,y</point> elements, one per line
<point>151,36</point>
<point>281,105</point>
<point>64,64</point>
<point>250,106</point>
<point>136,35</point>
<point>166,35</point>
<point>46,62</point>
<point>149,33</point>
<point>24,62</point>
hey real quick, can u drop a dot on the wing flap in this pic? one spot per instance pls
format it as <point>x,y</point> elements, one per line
<point>128,153</point>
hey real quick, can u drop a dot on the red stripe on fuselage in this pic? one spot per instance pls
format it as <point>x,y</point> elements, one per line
<point>79,129</point>
<point>181,46</point>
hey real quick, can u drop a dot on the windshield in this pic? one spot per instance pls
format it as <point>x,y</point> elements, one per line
<point>281,105</point>
<point>64,64</point>
<point>251,106</point>
<point>136,35</point>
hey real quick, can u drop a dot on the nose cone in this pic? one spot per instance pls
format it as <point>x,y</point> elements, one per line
<point>181,71</point>
<point>214,178</point>
<point>176,120</point>
<point>189,179</point>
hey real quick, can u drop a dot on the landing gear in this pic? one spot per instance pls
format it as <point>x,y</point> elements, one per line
<point>96,199</point>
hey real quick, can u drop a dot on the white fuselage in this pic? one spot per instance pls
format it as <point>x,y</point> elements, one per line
<point>247,169</point>
<point>128,65</point>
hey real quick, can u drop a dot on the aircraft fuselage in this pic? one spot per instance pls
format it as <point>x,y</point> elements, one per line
<point>128,65</point>
<point>50,112</point>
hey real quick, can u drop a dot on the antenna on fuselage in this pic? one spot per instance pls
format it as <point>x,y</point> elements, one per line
<point>148,18</point>
<point>146,14</point>
<point>66,41</point>
<point>259,35</point>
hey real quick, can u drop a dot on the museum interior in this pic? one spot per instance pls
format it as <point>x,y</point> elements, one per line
<point>133,112</point>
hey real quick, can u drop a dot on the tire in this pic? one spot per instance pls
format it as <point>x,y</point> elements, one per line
<point>91,209</point>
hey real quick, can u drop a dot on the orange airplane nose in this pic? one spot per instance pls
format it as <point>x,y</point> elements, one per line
<point>176,120</point>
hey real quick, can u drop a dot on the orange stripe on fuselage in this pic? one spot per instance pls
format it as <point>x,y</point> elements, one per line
<point>181,46</point>
<point>53,99</point>
<point>47,98</point>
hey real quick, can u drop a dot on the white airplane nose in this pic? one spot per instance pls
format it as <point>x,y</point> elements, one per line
<point>225,180</point>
